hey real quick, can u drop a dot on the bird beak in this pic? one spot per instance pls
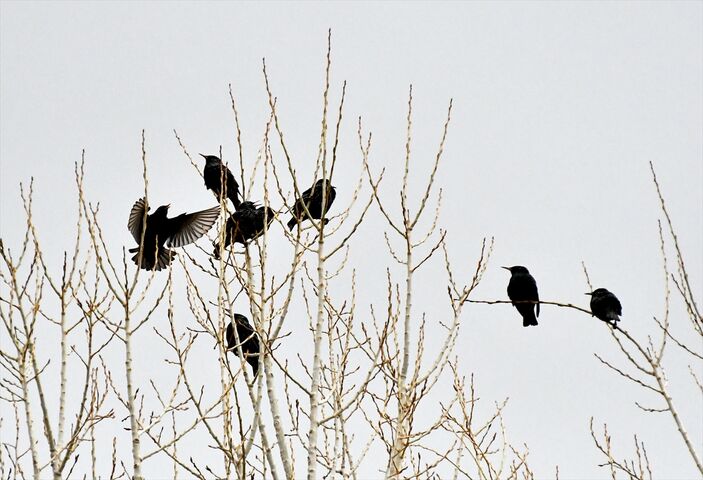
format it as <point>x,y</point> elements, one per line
<point>202,155</point>
<point>507,268</point>
<point>588,293</point>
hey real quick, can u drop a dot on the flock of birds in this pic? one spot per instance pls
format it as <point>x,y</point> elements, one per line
<point>156,234</point>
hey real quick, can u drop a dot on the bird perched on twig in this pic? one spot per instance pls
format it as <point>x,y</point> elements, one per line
<point>214,173</point>
<point>247,223</point>
<point>522,290</point>
<point>312,200</point>
<point>605,306</point>
<point>162,232</point>
<point>248,339</point>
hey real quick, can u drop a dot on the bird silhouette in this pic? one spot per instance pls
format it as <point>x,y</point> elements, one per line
<point>312,200</point>
<point>248,339</point>
<point>213,173</point>
<point>605,306</point>
<point>244,225</point>
<point>522,290</point>
<point>162,232</point>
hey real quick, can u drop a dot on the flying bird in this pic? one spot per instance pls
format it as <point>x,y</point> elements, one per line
<point>522,290</point>
<point>312,200</point>
<point>248,339</point>
<point>162,232</point>
<point>214,173</point>
<point>605,306</point>
<point>247,223</point>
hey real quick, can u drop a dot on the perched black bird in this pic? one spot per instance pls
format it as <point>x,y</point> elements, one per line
<point>248,339</point>
<point>312,199</point>
<point>522,289</point>
<point>214,172</point>
<point>605,306</point>
<point>246,224</point>
<point>162,232</point>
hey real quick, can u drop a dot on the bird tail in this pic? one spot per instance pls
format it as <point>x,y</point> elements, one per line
<point>146,263</point>
<point>164,258</point>
<point>529,319</point>
<point>234,198</point>
<point>292,223</point>
<point>254,362</point>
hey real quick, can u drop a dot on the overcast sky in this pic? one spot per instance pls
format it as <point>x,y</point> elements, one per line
<point>558,108</point>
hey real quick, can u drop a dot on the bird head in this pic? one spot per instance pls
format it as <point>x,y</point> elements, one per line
<point>516,269</point>
<point>211,159</point>
<point>162,211</point>
<point>247,205</point>
<point>598,292</point>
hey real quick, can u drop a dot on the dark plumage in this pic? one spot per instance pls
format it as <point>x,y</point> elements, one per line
<point>214,172</point>
<point>522,289</point>
<point>605,306</point>
<point>312,199</point>
<point>162,232</point>
<point>248,339</point>
<point>246,224</point>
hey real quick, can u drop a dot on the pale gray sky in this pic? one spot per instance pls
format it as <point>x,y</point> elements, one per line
<point>558,108</point>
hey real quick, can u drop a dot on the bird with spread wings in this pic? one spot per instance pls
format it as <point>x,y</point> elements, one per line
<point>162,233</point>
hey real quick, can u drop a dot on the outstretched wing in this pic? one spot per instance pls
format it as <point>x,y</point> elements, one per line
<point>187,228</point>
<point>136,218</point>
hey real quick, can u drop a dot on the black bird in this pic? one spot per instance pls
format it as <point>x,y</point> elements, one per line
<point>162,232</point>
<point>246,224</point>
<point>522,290</point>
<point>213,174</point>
<point>605,306</point>
<point>312,199</point>
<point>248,339</point>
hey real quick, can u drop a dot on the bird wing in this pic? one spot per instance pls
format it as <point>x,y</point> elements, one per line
<point>252,221</point>
<point>247,335</point>
<point>243,322</point>
<point>523,288</point>
<point>189,227</point>
<point>245,332</point>
<point>331,195</point>
<point>534,293</point>
<point>267,214</point>
<point>232,185</point>
<point>136,218</point>
<point>304,199</point>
